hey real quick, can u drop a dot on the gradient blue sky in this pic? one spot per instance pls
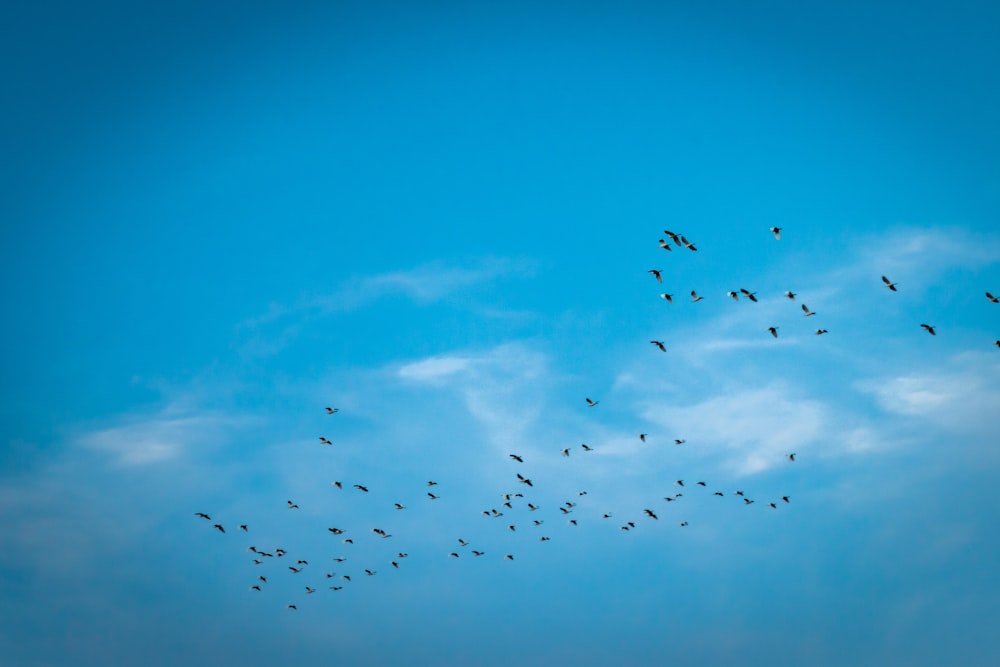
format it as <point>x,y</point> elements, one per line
<point>218,220</point>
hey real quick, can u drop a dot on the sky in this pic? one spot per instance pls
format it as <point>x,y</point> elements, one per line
<point>219,219</point>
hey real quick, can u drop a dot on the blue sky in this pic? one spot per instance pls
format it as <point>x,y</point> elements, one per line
<point>439,219</point>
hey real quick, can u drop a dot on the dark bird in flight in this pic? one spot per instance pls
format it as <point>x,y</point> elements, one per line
<point>516,458</point>
<point>642,436</point>
<point>888,283</point>
<point>820,332</point>
<point>695,298</point>
<point>291,606</point>
<point>656,274</point>
<point>336,531</point>
<point>651,513</point>
<point>432,483</point>
<point>719,493</point>
<point>773,506</point>
<point>785,498</point>
<point>682,524</point>
<point>791,457</point>
<point>669,298</point>
<point>203,515</point>
<point>992,298</point>
<point>371,573</point>
<point>524,480</point>
<point>453,555</point>
<point>701,483</point>
<point>292,506</point>
<point>678,441</point>
<point>750,295</point>
<point>432,496</point>
<point>361,487</point>
<point>255,587</point>
<point>673,237</point>
<point>310,591</point>
<point>735,295</point>
<point>565,451</point>
<point>679,482</point>
<point>777,232</point>
<point>295,570</point>
<point>748,501</point>
<point>330,411</point>
<point>219,526</point>
<point>509,557</point>
<point>324,441</point>
<point>336,588</point>
<point>545,539</point>
<point>791,295</point>
<point>929,329</point>
<point>659,344</point>
<point>774,331</point>
<point>243,527</point>
<point>400,506</point>
<point>997,342</point>
<point>688,244</point>
<point>587,448</point>
<point>338,485</point>
<point>665,245</point>
<point>591,403</point>
<point>806,311</point>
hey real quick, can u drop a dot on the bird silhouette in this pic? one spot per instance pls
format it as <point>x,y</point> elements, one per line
<point>777,232</point>
<point>659,344</point>
<point>929,329</point>
<point>656,274</point>
<point>888,283</point>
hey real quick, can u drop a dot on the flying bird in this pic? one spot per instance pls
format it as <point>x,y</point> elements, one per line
<point>695,298</point>
<point>523,480</point>
<point>651,513</point>
<point>656,274</point>
<point>432,496</point>
<point>806,312</point>
<point>777,232</point>
<point>688,244</point>
<point>361,487</point>
<point>203,515</point>
<point>673,237</point>
<point>565,452</point>
<point>669,298</point>
<point>678,441</point>
<point>750,295</point>
<point>587,448</point>
<point>330,411</point>
<point>337,484</point>
<point>324,441</point>
<point>292,506</point>
<point>774,331</point>
<point>820,332</point>
<point>219,526</point>
<point>400,506</point>
<point>888,283</point>
<point>665,245</point>
<point>791,457</point>
<point>642,436</point>
<point>929,329</point>
<point>992,298</point>
<point>243,527</point>
<point>735,295</point>
<point>516,458</point>
<point>432,483</point>
<point>791,295</point>
<point>591,403</point>
<point>659,344</point>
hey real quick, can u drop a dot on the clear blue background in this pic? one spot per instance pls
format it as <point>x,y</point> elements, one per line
<point>439,217</point>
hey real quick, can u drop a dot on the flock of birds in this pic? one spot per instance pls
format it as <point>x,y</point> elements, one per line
<point>522,503</point>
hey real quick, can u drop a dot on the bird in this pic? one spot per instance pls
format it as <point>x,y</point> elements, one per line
<point>255,587</point>
<point>371,573</point>
<point>591,403</point>
<point>651,513</point>
<point>642,436</point>
<point>735,295</point>
<point>888,283</point>
<point>295,570</point>
<point>512,528</point>
<point>516,458</point>
<point>219,526</point>
<point>656,274</point>
<point>665,245</point>
<point>336,531</point>
<point>791,295</point>
<point>532,508</point>
<point>679,482</point>
<point>748,501</point>
<point>310,591</point>
<point>773,506</point>
<point>292,506</point>
<point>432,496</point>
<point>477,553</point>
<point>453,555</point>
<point>673,237</point>
<point>523,480</point>
<point>669,298</point>
<point>244,528</point>
<point>997,342</point>
<point>565,451</point>
<point>992,298</point>
<point>324,441</point>
<point>806,312</point>
<point>509,557</point>
<point>774,331</point>
<point>400,506</point>
<point>336,588</point>
<point>929,329</point>
<point>432,483</point>
<point>701,484</point>
<point>330,411</point>
<point>750,295</point>
<point>203,515</point>
<point>659,344</point>
<point>682,524</point>
<point>688,244</point>
<point>791,457</point>
<point>777,232</point>
<point>337,484</point>
<point>785,498</point>
<point>291,606</point>
<point>679,441</point>
<point>820,332</point>
<point>544,539</point>
<point>695,298</point>
<point>361,487</point>
<point>587,448</point>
